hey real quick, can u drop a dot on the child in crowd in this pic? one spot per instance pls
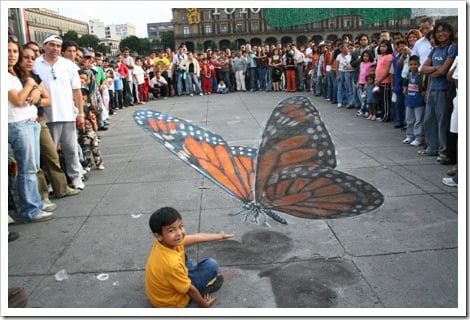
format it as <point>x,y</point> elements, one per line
<point>364,70</point>
<point>171,280</point>
<point>109,83</point>
<point>414,89</point>
<point>206,76</point>
<point>371,98</point>
<point>87,136</point>
<point>222,88</point>
<point>138,75</point>
<point>118,88</point>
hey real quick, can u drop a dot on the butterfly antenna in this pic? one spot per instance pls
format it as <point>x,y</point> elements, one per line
<point>236,213</point>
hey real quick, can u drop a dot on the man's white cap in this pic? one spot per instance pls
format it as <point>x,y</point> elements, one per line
<point>52,37</point>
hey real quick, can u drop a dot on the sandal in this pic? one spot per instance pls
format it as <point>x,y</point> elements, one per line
<point>425,152</point>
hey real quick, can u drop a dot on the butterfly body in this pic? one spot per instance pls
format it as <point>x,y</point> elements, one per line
<point>291,172</point>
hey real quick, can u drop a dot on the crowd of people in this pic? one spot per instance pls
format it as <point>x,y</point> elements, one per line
<point>409,79</point>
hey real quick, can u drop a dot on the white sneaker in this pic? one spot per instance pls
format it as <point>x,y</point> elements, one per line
<point>407,140</point>
<point>449,181</point>
<point>10,220</point>
<point>415,143</point>
<point>42,216</point>
<point>340,105</point>
<point>48,206</point>
<point>100,167</point>
<point>78,183</point>
<point>201,94</point>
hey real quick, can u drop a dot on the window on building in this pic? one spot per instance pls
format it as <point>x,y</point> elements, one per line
<point>223,28</point>
<point>238,27</point>
<point>208,29</point>
<point>331,23</point>
<point>185,31</point>
<point>346,23</point>
<point>254,26</point>
<point>207,15</point>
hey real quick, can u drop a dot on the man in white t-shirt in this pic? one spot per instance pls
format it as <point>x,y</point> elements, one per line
<point>61,79</point>
<point>422,47</point>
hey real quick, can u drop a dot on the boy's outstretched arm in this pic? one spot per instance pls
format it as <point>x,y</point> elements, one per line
<point>203,301</point>
<point>207,237</point>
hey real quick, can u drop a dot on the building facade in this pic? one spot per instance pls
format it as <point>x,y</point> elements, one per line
<point>154,30</point>
<point>38,23</point>
<point>119,31</point>
<point>223,28</point>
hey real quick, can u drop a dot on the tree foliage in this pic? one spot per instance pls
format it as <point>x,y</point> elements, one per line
<point>89,41</point>
<point>70,36</point>
<point>168,39</point>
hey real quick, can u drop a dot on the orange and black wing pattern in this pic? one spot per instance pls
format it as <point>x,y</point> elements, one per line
<point>294,171</point>
<point>232,169</point>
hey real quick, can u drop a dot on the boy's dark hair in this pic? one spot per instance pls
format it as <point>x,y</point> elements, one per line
<point>370,76</point>
<point>163,217</point>
<point>414,58</point>
<point>67,44</point>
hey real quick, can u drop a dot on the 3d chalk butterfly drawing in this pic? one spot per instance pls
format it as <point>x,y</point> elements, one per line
<point>292,171</point>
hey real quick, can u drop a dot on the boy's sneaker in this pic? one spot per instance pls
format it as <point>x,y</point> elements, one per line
<point>48,206</point>
<point>213,285</point>
<point>416,143</point>
<point>449,181</point>
<point>407,140</point>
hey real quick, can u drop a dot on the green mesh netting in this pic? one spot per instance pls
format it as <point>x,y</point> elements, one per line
<point>288,17</point>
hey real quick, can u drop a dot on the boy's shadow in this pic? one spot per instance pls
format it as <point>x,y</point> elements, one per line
<point>296,284</point>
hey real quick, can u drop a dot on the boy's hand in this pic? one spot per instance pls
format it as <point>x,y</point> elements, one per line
<point>208,300</point>
<point>226,235</point>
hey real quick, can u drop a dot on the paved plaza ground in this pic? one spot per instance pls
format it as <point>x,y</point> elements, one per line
<point>402,255</point>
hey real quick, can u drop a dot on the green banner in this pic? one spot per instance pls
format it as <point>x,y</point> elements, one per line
<point>288,17</point>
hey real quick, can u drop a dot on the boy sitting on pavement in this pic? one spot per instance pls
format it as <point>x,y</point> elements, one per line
<point>171,280</point>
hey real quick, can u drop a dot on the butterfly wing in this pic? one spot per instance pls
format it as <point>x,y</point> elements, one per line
<point>315,192</point>
<point>203,150</point>
<point>294,172</point>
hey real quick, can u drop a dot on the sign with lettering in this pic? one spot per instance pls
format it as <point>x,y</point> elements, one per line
<point>229,11</point>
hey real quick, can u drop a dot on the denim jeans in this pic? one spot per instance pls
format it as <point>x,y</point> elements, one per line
<point>331,89</point>
<point>348,85</point>
<point>23,136</point>
<point>262,78</point>
<point>399,107</point>
<point>300,76</point>
<point>414,123</point>
<point>193,79</point>
<point>180,77</point>
<point>253,78</point>
<point>343,91</point>
<point>203,272</point>
<point>437,121</point>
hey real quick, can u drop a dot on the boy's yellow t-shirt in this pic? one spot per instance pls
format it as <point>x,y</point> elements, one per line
<point>166,277</point>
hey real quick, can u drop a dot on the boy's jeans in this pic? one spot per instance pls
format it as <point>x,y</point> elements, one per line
<point>203,272</point>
